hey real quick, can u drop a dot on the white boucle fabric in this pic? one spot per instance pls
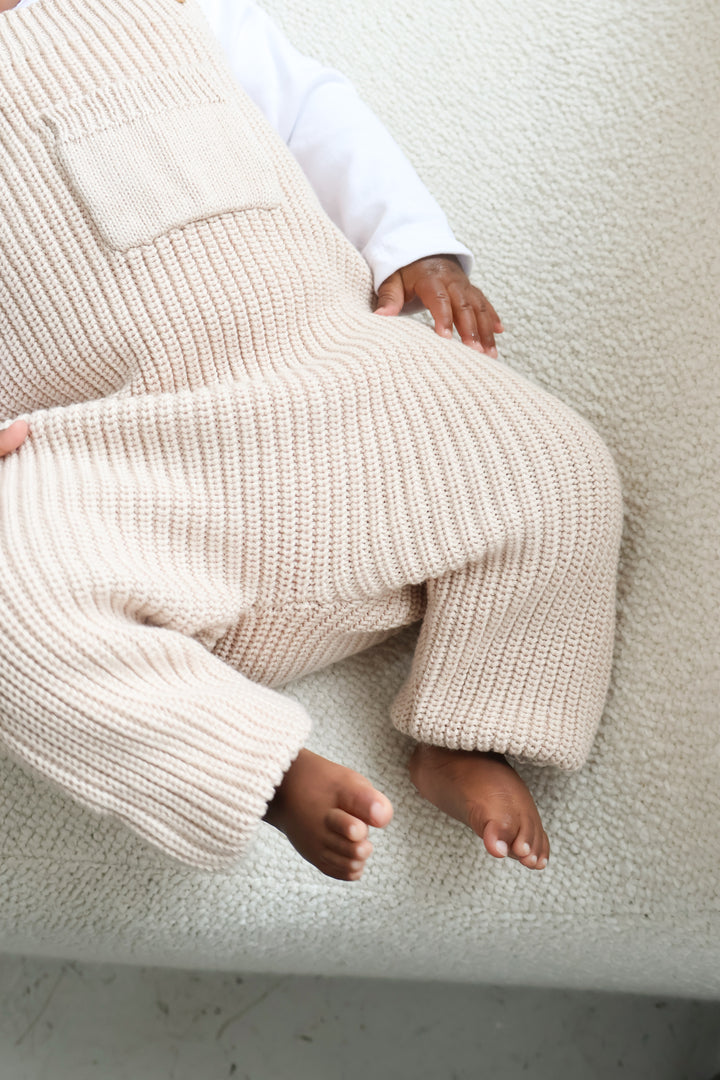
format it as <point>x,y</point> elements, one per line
<point>580,162</point>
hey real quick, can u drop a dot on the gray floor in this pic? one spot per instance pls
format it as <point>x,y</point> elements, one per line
<point>60,1020</point>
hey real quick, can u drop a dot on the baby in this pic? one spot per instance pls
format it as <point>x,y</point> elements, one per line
<point>237,474</point>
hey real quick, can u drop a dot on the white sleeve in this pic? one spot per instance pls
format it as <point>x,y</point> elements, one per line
<point>362,178</point>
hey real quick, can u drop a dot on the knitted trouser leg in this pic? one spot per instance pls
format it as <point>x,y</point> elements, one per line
<point>515,650</point>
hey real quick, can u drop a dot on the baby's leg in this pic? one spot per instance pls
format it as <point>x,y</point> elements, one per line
<point>457,766</point>
<point>515,649</point>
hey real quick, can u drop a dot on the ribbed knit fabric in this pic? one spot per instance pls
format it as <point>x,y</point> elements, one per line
<point>237,473</point>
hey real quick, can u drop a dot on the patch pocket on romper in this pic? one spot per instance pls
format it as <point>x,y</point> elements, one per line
<point>154,154</point>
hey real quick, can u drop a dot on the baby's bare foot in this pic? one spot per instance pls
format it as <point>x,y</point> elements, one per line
<point>324,810</point>
<point>484,792</point>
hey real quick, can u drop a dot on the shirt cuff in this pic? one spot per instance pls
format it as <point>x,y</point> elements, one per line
<point>388,252</point>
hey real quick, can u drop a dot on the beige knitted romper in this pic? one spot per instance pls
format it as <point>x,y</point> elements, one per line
<point>236,472</point>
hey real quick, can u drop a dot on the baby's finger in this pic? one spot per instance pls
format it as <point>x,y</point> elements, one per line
<point>487,322</point>
<point>435,297</point>
<point>465,317</point>
<point>493,316</point>
<point>391,295</point>
<point>13,436</point>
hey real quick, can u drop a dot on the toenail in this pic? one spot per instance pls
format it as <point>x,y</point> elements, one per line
<point>542,863</point>
<point>502,847</point>
<point>532,859</point>
<point>525,849</point>
<point>376,810</point>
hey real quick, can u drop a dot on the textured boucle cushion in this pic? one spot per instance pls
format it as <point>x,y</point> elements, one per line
<point>574,149</point>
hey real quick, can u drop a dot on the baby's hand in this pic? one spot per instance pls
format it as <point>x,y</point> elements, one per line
<point>12,437</point>
<point>441,284</point>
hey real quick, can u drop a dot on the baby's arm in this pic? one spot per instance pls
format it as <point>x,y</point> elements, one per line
<point>364,181</point>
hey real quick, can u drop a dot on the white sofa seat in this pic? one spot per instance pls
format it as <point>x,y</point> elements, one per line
<point>574,148</point>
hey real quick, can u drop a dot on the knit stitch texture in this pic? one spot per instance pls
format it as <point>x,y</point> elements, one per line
<point>238,474</point>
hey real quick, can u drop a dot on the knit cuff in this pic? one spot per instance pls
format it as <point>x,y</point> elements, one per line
<point>145,725</point>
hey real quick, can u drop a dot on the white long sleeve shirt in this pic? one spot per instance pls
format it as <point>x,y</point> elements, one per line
<point>362,178</point>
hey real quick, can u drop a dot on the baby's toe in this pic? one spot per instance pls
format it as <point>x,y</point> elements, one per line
<point>525,844</point>
<point>498,836</point>
<point>538,858</point>
<point>337,866</point>
<point>346,825</point>
<point>544,852</point>
<point>530,849</point>
<point>348,849</point>
<point>369,805</point>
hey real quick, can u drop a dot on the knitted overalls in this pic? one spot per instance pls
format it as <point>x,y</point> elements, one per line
<point>236,473</point>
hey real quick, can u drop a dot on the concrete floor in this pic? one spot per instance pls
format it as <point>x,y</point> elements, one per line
<point>60,1020</point>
